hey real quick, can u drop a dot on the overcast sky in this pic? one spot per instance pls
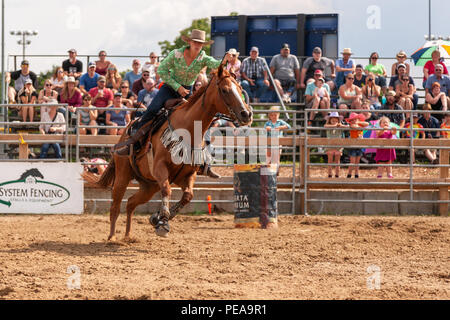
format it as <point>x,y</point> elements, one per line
<point>134,27</point>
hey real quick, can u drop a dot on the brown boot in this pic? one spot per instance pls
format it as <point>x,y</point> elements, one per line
<point>205,170</point>
<point>123,148</point>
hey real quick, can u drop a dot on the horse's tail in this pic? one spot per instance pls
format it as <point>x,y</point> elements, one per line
<point>107,178</point>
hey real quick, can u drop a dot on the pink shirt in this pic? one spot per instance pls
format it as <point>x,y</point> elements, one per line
<point>235,68</point>
<point>75,101</point>
<point>104,101</point>
<point>430,66</point>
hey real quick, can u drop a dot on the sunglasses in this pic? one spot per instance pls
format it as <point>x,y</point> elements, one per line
<point>124,87</point>
<point>146,74</point>
<point>374,58</point>
<point>350,78</point>
<point>153,57</point>
<point>406,79</point>
<point>48,85</point>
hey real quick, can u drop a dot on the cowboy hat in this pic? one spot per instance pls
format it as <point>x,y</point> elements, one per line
<point>197,36</point>
<point>347,51</point>
<point>334,114</point>
<point>401,54</point>
<point>233,52</point>
<point>354,116</point>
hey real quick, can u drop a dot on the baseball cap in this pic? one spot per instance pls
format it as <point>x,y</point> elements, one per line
<point>25,62</point>
<point>72,50</point>
<point>318,71</point>
<point>117,94</point>
<point>254,49</point>
<point>415,115</point>
<point>317,50</point>
<point>439,66</point>
<point>390,93</point>
<point>28,81</point>
<point>285,46</point>
<point>401,65</point>
<point>91,64</point>
<point>101,78</point>
<point>359,66</point>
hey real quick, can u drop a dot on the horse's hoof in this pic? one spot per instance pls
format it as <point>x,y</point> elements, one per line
<point>154,219</point>
<point>162,229</point>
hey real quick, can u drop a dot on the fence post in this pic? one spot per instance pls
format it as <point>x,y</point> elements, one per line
<point>443,175</point>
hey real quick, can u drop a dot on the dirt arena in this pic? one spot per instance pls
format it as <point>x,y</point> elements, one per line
<point>205,257</point>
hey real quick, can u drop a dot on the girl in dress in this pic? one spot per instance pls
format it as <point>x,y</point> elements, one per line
<point>334,120</point>
<point>385,156</point>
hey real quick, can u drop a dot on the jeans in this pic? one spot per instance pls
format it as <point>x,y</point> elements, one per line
<point>46,147</point>
<point>259,87</point>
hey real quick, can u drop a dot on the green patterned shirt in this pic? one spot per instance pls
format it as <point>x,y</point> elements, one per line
<point>174,71</point>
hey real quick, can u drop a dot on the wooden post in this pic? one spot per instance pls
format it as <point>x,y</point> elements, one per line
<point>23,151</point>
<point>443,191</point>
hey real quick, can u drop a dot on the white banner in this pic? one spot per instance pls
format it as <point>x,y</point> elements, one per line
<point>41,188</point>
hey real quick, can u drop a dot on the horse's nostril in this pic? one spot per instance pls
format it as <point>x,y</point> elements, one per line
<point>245,114</point>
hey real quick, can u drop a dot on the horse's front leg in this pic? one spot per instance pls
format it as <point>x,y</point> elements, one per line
<point>162,228</point>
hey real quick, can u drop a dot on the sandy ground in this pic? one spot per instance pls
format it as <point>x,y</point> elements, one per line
<point>205,257</point>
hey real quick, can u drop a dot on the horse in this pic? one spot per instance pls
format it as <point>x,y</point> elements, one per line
<point>222,94</point>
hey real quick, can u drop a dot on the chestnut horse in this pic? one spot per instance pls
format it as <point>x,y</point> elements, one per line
<point>222,95</point>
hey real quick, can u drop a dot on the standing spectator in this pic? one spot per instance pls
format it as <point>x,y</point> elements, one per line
<point>401,59</point>
<point>429,122</point>
<point>89,79</point>
<point>134,74</point>
<point>445,134</point>
<point>317,62</point>
<point>128,97</point>
<point>117,117</point>
<point>344,66</point>
<point>47,96</point>
<point>378,69</point>
<point>152,66</point>
<point>404,93</point>
<point>254,75</point>
<point>286,72</point>
<point>385,156</point>
<point>395,80</point>
<point>102,97</point>
<point>59,127</point>
<point>138,85</point>
<point>87,117</point>
<point>397,117</point>
<point>334,121</point>
<point>234,65</point>
<point>314,101</point>
<point>71,94</point>
<point>350,96</point>
<point>274,128</point>
<point>27,95</point>
<point>72,67</point>
<point>101,65</point>
<point>356,122</point>
<point>439,77</point>
<point>429,67</point>
<point>20,77</point>
<point>437,100</point>
<point>417,134</point>
<point>113,78</point>
<point>372,92</point>
<point>360,77</point>
<point>58,79</point>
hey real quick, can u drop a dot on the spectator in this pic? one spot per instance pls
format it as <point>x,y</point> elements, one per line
<point>128,97</point>
<point>312,64</point>
<point>429,122</point>
<point>113,78</point>
<point>417,134</point>
<point>446,126</point>
<point>350,96</point>
<point>398,117</point>
<point>274,128</point>
<point>370,116</point>
<point>134,74</point>
<point>101,65</point>
<point>334,121</point>
<point>254,75</point>
<point>98,167</point>
<point>401,59</point>
<point>385,156</point>
<point>71,95</point>
<point>372,92</point>
<point>344,66</point>
<point>47,95</point>
<point>59,127</point>
<point>116,117</point>
<point>73,67</point>
<point>314,101</point>
<point>360,77</point>
<point>439,77</point>
<point>286,72</point>
<point>234,65</point>
<point>437,100</point>
<point>58,79</point>
<point>146,96</point>
<point>395,80</point>
<point>20,77</point>
<point>355,121</point>
<point>377,69</point>
<point>27,95</point>
<point>197,85</point>
<point>87,117</point>
<point>429,67</point>
<point>138,85</point>
<point>404,93</point>
<point>102,97</point>
<point>152,66</point>
<point>89,79</point>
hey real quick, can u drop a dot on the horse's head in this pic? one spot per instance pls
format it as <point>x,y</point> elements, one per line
<point>232,98</point>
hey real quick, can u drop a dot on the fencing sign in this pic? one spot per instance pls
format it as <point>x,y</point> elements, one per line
<point>41,188</point>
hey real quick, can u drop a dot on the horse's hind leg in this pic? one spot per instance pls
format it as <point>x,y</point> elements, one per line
<point>145,193</point>
<point>162,175</point>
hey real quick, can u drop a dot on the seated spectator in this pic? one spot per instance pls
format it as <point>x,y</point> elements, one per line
<point>378,70</point>
<point>398,117</point>
<point>146,95</point>
<point>313,101</point>
<point>27,95</point>
<point>344,66</point>
<point>20,77</point>
<point>404,93</point>
<point>254,77</point>
<point>429,67</point>
<point>152,66</point>
<point>58,79</point>
<point>113,78</point>
<point>360,77</point>
<point>395,80</point>
<point>73,67</point>
<point>437,99</point>
<point>311,64</point>
<point>101,65</point>
<point>401,59</point>
<point>47,95</point>
<point>138,85</point>
<point>286,73</point>
<point>350,96</point>
<point>234,65</point>
<point>117,117</point>
<point>71,95</point>
<point>128,97</point>
<point>89,79</point>
<point>417,134</point>
<point>439,77</point>
<point>370,116</point>
<point>134,74</point>
<point>102,97</point>
<point>372,92</point>
<point>87,117</point>
<point>58,128</point>
<point>429,122</point>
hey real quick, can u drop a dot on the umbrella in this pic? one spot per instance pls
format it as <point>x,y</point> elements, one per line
<point>373,133</point>
<point>422,55</point>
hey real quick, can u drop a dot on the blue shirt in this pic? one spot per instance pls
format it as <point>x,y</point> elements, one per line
<point>444,82</point>
<point>131,77</point>
<point>276,133</point>
<point>146,97</point>
<point>89,82</point>
<point>312,86</point>
<point>342,74</point>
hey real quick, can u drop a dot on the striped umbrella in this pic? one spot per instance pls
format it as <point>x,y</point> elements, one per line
<point>422,55</point>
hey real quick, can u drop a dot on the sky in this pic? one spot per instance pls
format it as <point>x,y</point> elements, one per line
<point>134,27</point>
